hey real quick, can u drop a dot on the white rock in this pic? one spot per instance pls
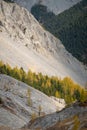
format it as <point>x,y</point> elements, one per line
<point>59,102</point>
<point>15,102</point>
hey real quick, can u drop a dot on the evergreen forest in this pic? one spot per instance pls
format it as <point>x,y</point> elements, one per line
<point>51,86</point>
<point>70,27</point>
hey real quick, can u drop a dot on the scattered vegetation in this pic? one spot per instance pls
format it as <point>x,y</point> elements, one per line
<point>29,97</point>
<point>6,88</point>
<point>76,123</point>
<point>71,123</point>
<point>1,101</point>
<point>51,86</point>
<point>70,27</point>
<point>33,116</point>
<point>39,110</point>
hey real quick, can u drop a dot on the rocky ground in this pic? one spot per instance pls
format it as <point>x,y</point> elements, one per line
<point>17,109</point>
<point>73,117</point>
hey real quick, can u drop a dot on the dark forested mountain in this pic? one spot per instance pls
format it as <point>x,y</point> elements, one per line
<point>70,26</point>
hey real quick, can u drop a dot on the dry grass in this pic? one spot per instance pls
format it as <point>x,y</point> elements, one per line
<point>73,123</point>
<point>8,128</point>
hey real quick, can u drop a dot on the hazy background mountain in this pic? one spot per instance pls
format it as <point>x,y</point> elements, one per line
<point>55,6</point>
<point>70,27</point>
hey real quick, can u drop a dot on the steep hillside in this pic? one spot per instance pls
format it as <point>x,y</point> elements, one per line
<point>51,86</point>
<point>24,43</point>
<point>15,109</point>
<point>70,27</point>
<point>71,118</point>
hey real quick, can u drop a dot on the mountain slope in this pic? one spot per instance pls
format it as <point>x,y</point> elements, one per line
<point>15,111</point>
<point>24,43</point>
<point>72,118</point>
<point>56,6</point>
<point>70,27</point>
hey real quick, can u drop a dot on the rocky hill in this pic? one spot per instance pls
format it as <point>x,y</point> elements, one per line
<point>56,6</point>
<point>17,107</point>
<point>72,118</point>
<point>24,43</point>
<point>16,112</point>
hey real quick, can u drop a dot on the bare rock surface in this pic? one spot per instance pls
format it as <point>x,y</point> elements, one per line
<point>9,119</point>
<point>24,43</point>
<point>59,101</point>
<point>74,116</point>
<point>15,110</point>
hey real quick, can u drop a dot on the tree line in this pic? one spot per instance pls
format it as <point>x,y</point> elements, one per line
<point>51,86</point>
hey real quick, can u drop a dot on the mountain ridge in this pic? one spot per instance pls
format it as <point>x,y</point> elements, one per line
<point>69,26</point>
<point>56,6</point>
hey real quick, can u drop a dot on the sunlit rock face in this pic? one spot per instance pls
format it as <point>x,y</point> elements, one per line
<point>15,111</point>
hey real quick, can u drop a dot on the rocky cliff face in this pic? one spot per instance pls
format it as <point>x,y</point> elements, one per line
<point>57,6</point>
<point>24,43</point>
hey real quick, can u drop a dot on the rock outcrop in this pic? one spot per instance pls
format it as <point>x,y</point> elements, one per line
<point>15,109</point>
<point>71,118</point>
